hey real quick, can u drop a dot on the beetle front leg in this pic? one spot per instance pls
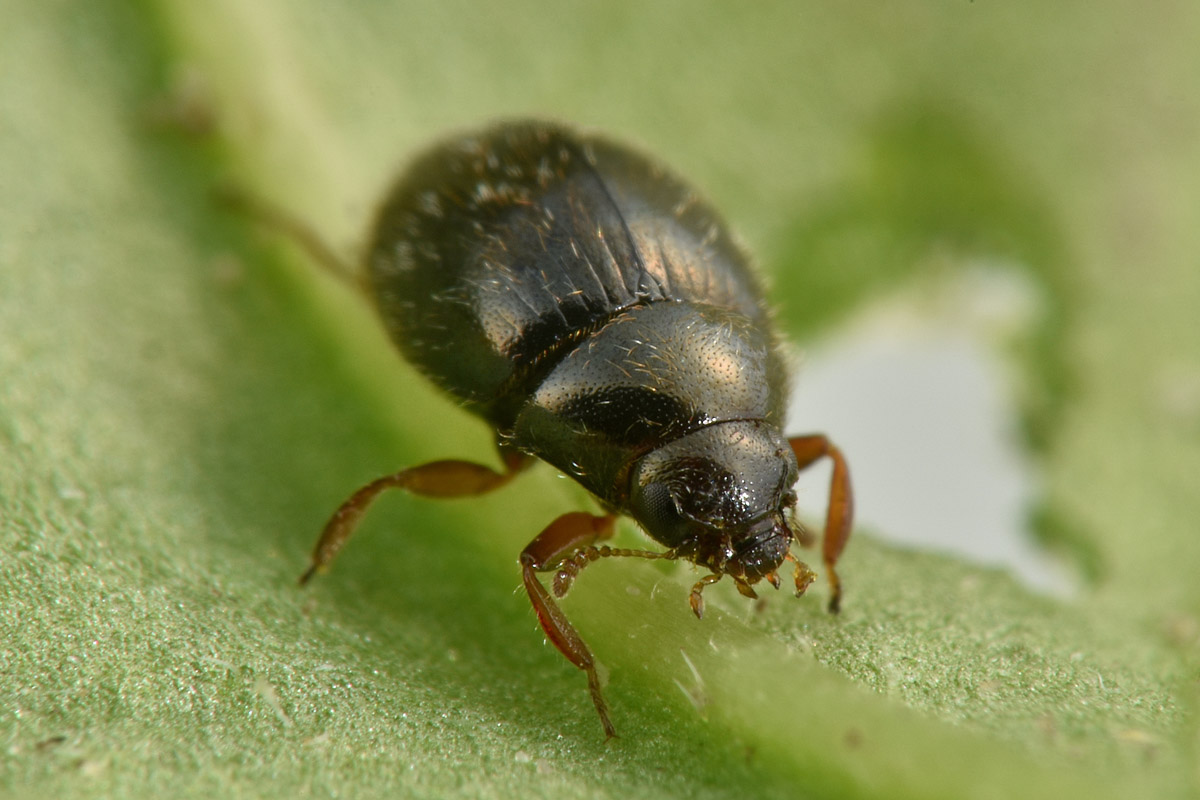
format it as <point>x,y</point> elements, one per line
<point>840,515</point>
<point>560,538</point>
<point>440,479</point>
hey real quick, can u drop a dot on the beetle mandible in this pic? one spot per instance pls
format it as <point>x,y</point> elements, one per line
<point>599,316</point>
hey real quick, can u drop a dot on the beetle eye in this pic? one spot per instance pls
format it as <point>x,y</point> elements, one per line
<point>657,505</point>
<point>656,509</point>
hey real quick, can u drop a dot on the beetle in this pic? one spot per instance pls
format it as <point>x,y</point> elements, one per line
<point>598,314</point>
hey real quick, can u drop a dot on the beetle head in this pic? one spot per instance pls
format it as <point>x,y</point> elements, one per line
<point>718,497</point>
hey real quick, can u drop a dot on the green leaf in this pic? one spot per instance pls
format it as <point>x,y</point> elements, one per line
<point>183,401</point>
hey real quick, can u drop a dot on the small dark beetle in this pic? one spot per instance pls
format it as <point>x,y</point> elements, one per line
<point>600,317</point>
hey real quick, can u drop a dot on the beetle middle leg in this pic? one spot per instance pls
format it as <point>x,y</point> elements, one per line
<point>840,515</point>
<point>440,479</point>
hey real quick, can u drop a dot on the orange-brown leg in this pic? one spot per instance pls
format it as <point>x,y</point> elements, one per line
<point>560,539</point>
<point>840,516</point>
<point>568,545</point>
<point>441,479</point>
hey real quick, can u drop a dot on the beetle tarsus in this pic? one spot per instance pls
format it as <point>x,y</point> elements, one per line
<point>835,591</point>
<point>696,599</point>
<point>745,589</point>
<point>308,575</point>
<point>610,732</point>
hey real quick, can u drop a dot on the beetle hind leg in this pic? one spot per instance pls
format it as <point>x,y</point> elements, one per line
<point>300,233</point>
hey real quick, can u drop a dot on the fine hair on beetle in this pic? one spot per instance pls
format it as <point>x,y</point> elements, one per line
<point>596,312</point>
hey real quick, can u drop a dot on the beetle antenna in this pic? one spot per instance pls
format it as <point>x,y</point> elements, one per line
<point>568,569</point>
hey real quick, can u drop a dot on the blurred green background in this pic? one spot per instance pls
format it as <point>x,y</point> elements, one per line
<point>183,400</point>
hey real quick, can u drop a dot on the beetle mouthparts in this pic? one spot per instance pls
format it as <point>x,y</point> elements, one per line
<point>762,549</point>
